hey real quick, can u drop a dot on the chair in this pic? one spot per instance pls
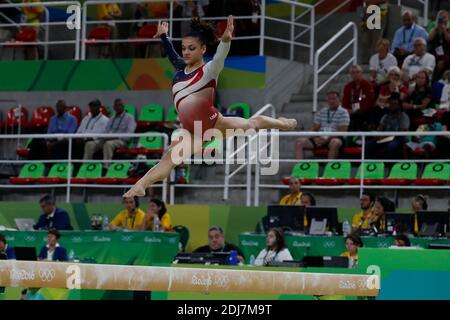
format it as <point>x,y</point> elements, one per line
<point>25,151</point>
<point>29,174</point>
<point>88,173</point>
<point>145,32</point>
<point>171,115</point>
<point>76,112</point>
<point>373,173</point>
<point>221,26</point>
<point>434,174</point>
<point>335,173</point>
<point>306,172</point>
<point>15,116</point>
<point>213,146</point>
<point>151,115</point>
<point>145,146</point>
<point>57,174</point>
<point>402,173</point>
<point>40,117</point>
<point>184,235</point>
<point>25,34</point>
<point>133,180</point>
<point>99,33</point>
<point>117,173</point>
<point>243,106</point>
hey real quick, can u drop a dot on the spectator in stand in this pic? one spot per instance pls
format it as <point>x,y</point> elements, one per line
<point>333,118</point>
<point>394,84</point>
<point>61,122</point>
<point>52,217</point>
<point>352,243</point>
<point>108,12</point>
<point>439,44</point>
<point>402,240</point>
<point>418,61</point>
<point>441,89</point>
<point>381,63</point>
<point>402,46</point>
<point>394,120</point>
<point>276,249</point>
<point>157,208</point>
<point>443,145</point>
<point>95,123</point>
<point>358,99</point>
<point>217,243</point>
<point>419,100</point>
<point>53,250</point>
<point>371,37</point>
<point>122,122</point>
<point>308,200</point>
<point>131,218</point>
<point>363,219</point>
<point>32,15</point>
<point>426,144</point>
<point>418,203</point>
<point>191,9</point>
<point>6,250</point>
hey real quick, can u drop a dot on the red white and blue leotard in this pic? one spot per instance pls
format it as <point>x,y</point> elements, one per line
<point>194,92</point>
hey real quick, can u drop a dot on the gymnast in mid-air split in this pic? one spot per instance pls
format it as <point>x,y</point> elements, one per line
<point>194,86</point>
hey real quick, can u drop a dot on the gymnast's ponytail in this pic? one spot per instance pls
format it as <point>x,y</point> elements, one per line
<point>204,31</point>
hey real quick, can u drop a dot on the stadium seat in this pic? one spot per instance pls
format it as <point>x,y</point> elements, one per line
<point>25,34</point>
<point>373,173</point>
<point>76,112</point>
<point>434,174</point>
<point>402,173</point>
<point>335,173</point>
<point>171,115</point>
<point>213,146</point>
<point>145,146</point>
<point>133,180</point>
<point>88,173</point>
<point>25,151</point>
<point>117,173</point>
<point>346,152</point>
<point>57,174</point>
<point>29,174</point>
<point>243,107</point>
<point>306,172</point>
<point>40,117</point>
<point>13,116</point>
<point>145,32</point>
<point>151,115</point>
<point>221,26</point>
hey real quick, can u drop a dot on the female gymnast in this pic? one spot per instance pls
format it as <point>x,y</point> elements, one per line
<point>193,91</point>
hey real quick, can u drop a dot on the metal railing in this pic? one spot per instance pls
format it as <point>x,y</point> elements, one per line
<point>362,160</point>
<point>70,161</point>
<point>319,68</point>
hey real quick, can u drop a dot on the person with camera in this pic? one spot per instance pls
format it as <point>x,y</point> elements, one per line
<point>439,44</point>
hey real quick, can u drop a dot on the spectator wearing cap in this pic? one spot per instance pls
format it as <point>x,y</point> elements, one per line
<point>94,122</point>
<point>6,250</point>
<point>217,243</point>
<point>381,62</point>
<point>439,44</point>
<point>419,60</point>
<point>333,118</point>
<point>52,217</point>
<point>53,250</point>
<point>403,42</point>
<point>426,144</point>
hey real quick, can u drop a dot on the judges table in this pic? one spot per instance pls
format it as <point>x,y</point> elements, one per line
<point>300,246</point>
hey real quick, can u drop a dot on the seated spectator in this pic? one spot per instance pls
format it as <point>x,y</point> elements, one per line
<point>33,16</point>
<point>53,251</point>
<point>418,203</point>
<point>191,9</point>
<point>441,90</point>
<point>402,240</point>
<point>439,44</point>
<point>333,118</point>
<point>352,243</point>
<point>394,85</point>
<point>402,45</point>
<point>307,199</point>
<point>52,217</point>
<point>425,143</point>
<point>157,208</point>
<point>122,122</point>
<point>131,218</point>
<point>371,37</point>
<point>394,120</point>
<point>276,249</point>
<point>419,100</point>
<point>358,99</point>
<point>6,250</point>
<point>216,243</point>
<point>419,60</point>
<point>443,143</point>
<point>61,122</point>
<point>94,122</point>
<point>108,12</point>
<point>380,207</point>
<point>293,198</point>
<point>362,220</point>
<point>381,62</point>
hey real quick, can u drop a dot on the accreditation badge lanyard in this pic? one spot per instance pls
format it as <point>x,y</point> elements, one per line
<point>405,44</point>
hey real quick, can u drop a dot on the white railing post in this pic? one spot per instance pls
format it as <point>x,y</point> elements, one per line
<point>248,201</point>
<point>355,44</point>
<point>46,36</point>
<point>69,169</point>
<point>312,40</point>
<point>291,55</point>
<point>426,12</point>
<point>83,31</point>
<point>362,166</point>
<point>170,19</point>
<point>262,28</point>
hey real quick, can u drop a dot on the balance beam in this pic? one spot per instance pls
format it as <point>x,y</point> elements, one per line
<point>43,274</point>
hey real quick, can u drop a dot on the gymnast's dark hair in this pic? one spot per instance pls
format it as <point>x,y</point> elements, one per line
<point>204,31</point>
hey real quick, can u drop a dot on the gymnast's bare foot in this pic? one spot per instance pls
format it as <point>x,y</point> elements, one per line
<point>137,190</point>
<point>288,124</point>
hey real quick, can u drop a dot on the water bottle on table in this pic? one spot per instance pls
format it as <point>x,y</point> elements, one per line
<point>346,229</point>
<point>156,224</point>
<point>233,258</point>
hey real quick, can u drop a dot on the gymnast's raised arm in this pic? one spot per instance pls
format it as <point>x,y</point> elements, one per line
<point>175,59</point>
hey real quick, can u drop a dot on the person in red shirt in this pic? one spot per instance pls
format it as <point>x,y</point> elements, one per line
<point>358,99</point>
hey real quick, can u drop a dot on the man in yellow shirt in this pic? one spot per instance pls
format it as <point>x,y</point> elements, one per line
<point>131,218</point>
<point>108,11</point>
<point>364,218</point>
<point>294,196</point>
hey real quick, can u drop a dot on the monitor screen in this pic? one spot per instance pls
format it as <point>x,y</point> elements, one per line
<point>432,217</point>
<point>289,218</point>
<point>25,253</point>
<point>320,213</point>
<point>399,223</point>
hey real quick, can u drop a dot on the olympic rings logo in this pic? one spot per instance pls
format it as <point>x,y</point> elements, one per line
<point>329,244</point>
<point>30,238</point>
<point>47,275</point>
<point>221,281</point>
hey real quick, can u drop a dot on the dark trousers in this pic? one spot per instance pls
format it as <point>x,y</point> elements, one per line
<point>388,150</point>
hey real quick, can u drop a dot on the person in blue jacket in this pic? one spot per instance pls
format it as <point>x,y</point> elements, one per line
<point>5,249</point>
<point>52,217</point>
<point>53,251</point>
